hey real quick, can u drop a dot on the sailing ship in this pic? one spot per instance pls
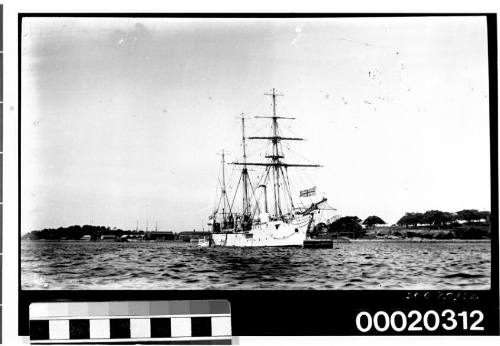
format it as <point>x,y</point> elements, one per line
<point>289,221</point>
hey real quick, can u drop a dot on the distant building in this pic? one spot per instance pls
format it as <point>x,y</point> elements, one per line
<point>187,236</point>
<point>160,236</point>
<point>108,237</point>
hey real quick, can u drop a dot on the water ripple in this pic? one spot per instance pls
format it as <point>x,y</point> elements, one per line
<point>355,265</point>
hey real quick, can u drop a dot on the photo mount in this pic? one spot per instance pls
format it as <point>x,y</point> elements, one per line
<point>306,312</point>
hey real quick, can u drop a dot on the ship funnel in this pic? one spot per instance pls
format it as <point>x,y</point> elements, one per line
<point>265,198</point>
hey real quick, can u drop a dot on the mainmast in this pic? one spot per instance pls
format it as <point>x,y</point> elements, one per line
<point>276,165</point>
<point>275,157</point>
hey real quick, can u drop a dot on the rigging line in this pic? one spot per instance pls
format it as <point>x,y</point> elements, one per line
<point>281,148</point>
<point>261,177</point>
<point>263,181</point>
<point>290,193</point>
<point>225,193</point>
<point>265,173</point>
<point>254,210</point>
<point>261,103</point>
<point>230,182</point>
<point>231,176</point>
<point>253,194</point>
<point>296,190</point>
<point>286,204</point>
<point>299,178</point>
<point>297,153</point>
<point>293,132</point>
<point>280,172</point>
<point>305,173</point>
<point>225,188</point>
<point>218,205</point>
<point>235,193</point>
<point>285,131</point>
<point>215,197</point>
<point>284,109</point>
<point>257,150</point>
<point>221,186</point>
<point>260,129</point>
<point>287,185</point>
<point>269,149</point>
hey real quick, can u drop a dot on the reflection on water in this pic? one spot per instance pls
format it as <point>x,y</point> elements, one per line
<point>355,265</point>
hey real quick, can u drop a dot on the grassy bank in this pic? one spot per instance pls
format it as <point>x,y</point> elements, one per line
<point>460,232</point>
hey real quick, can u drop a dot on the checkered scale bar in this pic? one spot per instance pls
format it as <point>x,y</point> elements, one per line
<point>138,322</point>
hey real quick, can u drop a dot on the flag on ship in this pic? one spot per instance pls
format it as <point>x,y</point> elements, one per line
<point>308,192</point>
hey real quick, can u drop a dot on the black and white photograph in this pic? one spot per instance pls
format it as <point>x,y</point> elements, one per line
<point>285,153</point>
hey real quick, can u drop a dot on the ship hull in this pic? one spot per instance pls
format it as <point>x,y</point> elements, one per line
<point>276,234</point>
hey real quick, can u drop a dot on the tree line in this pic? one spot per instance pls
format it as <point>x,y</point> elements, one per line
<point>437,218</point>
<point>352,226</point>
<point>76,232</point>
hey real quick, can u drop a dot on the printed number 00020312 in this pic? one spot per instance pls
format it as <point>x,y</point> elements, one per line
<point>414,321</point>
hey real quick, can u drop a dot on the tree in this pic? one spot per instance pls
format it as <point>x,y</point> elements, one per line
<point>485,215</point>
<point>373,220</point>
<point>319,230</point>
<point>437,218</point>
<point>469,215</point>
<point>411,219</point>
<point>347,224</point>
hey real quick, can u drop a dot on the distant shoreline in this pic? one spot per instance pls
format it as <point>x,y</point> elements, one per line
<point>423,240</point>
<point>359,240</point>
<point>347,231</point>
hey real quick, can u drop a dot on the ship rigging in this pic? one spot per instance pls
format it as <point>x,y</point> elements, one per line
<point>287,224</point>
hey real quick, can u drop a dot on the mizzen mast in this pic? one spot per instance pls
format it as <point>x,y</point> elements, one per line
<point>225,201</point>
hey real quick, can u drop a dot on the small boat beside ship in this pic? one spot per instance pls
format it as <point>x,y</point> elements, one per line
<point>253,224</point>
<point>201,242</point>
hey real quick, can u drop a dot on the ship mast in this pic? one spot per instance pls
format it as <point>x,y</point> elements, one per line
<point>276,165</point>
<point>275,158</point>
<point>244,171</point>
<point>224,198</point>
<point>223,186</point>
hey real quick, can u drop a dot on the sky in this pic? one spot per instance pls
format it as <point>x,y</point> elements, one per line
<point>123,118</point>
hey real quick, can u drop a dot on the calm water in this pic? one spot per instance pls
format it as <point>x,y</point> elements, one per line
<point>355,265</point>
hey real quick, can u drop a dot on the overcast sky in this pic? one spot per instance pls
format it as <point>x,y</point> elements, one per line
<point>122,119</point>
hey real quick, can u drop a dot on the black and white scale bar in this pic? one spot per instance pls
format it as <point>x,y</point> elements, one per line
<point>144,341</point>
<point>184,322</point>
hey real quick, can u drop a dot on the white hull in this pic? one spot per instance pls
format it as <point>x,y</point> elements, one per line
<point>273,233</point>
